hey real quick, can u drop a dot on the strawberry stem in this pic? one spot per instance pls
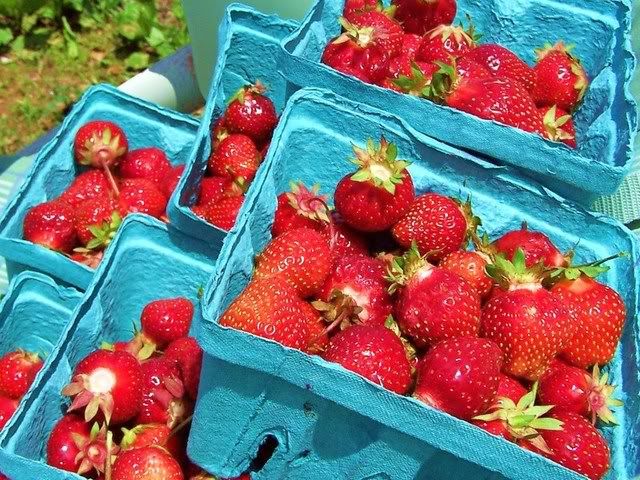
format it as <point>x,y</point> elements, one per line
<point>109,174</point>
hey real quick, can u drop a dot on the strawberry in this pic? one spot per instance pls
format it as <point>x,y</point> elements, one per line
<point>219,132</point>
<point>8,407</point>
<point>107,381</point>
<point>86,186</point>
<point>384,32</point>
<point>537,247</point>
<point>223,213</point>
<point>236,156</point>
<point>148,463</point>
<point>139,195</point>
<point>251,113</point>
<point>150,163</point>
<point>374,352</point>
<point>558,126</point>
<point>529,323</point>
<point>171,180</point>
<point>439,225</point>
<point>446,42</point>
<point>270,308</point>
<point>89,258</point>
<point>343,240</point>
<point>579,446</point>
<point>420,16</point>
<point>433,304</point>
<point>300,208</point>
<point>51,225</point>
<point>460,376</point>
<point>574,390</point>
<point>467,69</point>
<point>212,189</point>
<point>18,370</point>
<point>188,355</point>
<point>354,7</point>
<point>411,77</point>
<point>145,436</point>
<point>97,221</point>
<point>164,321</point>
<point>560,78</point>
<point>502,62</point>
<point>302,257</point>
<point>379,193</point>
<point>470,266</point>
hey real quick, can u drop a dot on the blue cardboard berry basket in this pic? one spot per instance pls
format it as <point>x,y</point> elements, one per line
<point>249,52</point>
<point>54,169</point>
<point>606,123</point>
<point>331,423</point>
<point>147,261</point>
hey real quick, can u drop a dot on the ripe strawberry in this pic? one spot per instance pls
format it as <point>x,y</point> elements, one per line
<point>433,304</point>
<point>188,355</point>
<point>579,446</point>
<point>558,126</point>
<point>302,257</point>
<point>107,381</point>
<point>502,62</point>
<point>89,258</point>
<point>212,189</point>
<point>223,213</point>
<point>300,208</point>
<point>154,434</point>
<point>467,69</point>
<point>235,157</point>
<point>86,186</point>
<point>171,180</point>
<point>537,247</point>
<point>270,308</point>
<point>460,376</point>
<point>8,407</point>
<point>470,266</point>
<point>148,463</point>
<point>166,320</point>
<point>384,32</point>
<point>409,76</point>
<point>343,240</point>
<point>51,225</point>
<point>529,323</point>
<point>354,7</point>
<point>150,163</point>
<point>446,42</point>
<point>251,113</point>
<point>138,195</point>
<point>97,221</point>
<point>420,16</point>
<point>560,78</point>
<point>18,370</point>
<point>374,352</point>
<point>439,225</point>
<point>379,193</point>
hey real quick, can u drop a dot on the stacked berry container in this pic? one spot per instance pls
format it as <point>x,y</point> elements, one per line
<point>331,423</point>
<point>605,122</point>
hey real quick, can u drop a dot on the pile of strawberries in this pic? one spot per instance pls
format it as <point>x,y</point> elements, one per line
<point>240,140</point>
<point>411,47</point>
<point>18,370</point>
<point>385,286</point>
<point>113,182</point>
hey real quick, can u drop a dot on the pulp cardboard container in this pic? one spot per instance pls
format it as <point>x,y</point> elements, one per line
<point>249,51</point>
<point>54,169</point>
<point>147,261</point>
<point>605,123</point>
<point>331,423</point>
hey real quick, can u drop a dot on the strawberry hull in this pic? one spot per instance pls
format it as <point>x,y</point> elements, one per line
<point>148,261</point>
<point>331,423</point>
<point>54,170</point>
<point>249,52</point>
<point>605,123</point>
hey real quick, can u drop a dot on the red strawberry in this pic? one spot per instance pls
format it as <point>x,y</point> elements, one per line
<point>460,376</point>
<point>558,126</point>
<point>251,113</point>
<point>528,322</point>
<point>379,193</point>
<point>148,463</point>
<point>302,257</point>
<point>270,308</point>
<point>446,42</point>
<point>223,213</point>
<point>433,304</point>
<point>409,76</point>
<point>89,258</point>
<point>235,157</point>
<point>97,221</point>
<point>145,436</point>
<point>138,195</point>
<point>164,321</point>
<point>51,225</point>
<point>219,132</point>
<point>212,189</point>
<point>86,186</point>
<point>537,247</point>
<point>502,62</point>
<point>579,446</point>
<point>344,241</point>
<point>439,225</point>
<point>383,31</point>
<point>374,352</point>
<point>470,266</point>
<point>107,381</point>
<point>300,208</point>
<point>420,16</point>
<point>188,355</point>
<point>354,7</point>
<point>150,163</point>
<point>18,370</point>
<point>467,69</point>
<point>8,407</point>
<point>171,180</point>
<point>560,78</point>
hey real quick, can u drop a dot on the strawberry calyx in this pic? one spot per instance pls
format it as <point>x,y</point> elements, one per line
<point>93,393</point>
<point>361,36</point>
<point>416,84</point>
<point>459,33</point>
<point>444,81</point>
<point>473,221</point>
<point>94,453</point>
<point>240,96</point>
<point>410,350</point>
<point>601,398</point>
<point>590,270</point>
<point>553,126</point>
<point>341,311</point>
<point>404,268</point>
<point>379,165</point>
<point>103,234</point>
<point>514,274</point>
<point>309,203</point>
<point>103,151</point>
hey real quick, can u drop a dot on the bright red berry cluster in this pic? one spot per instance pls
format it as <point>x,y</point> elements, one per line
<point>18,370</point>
